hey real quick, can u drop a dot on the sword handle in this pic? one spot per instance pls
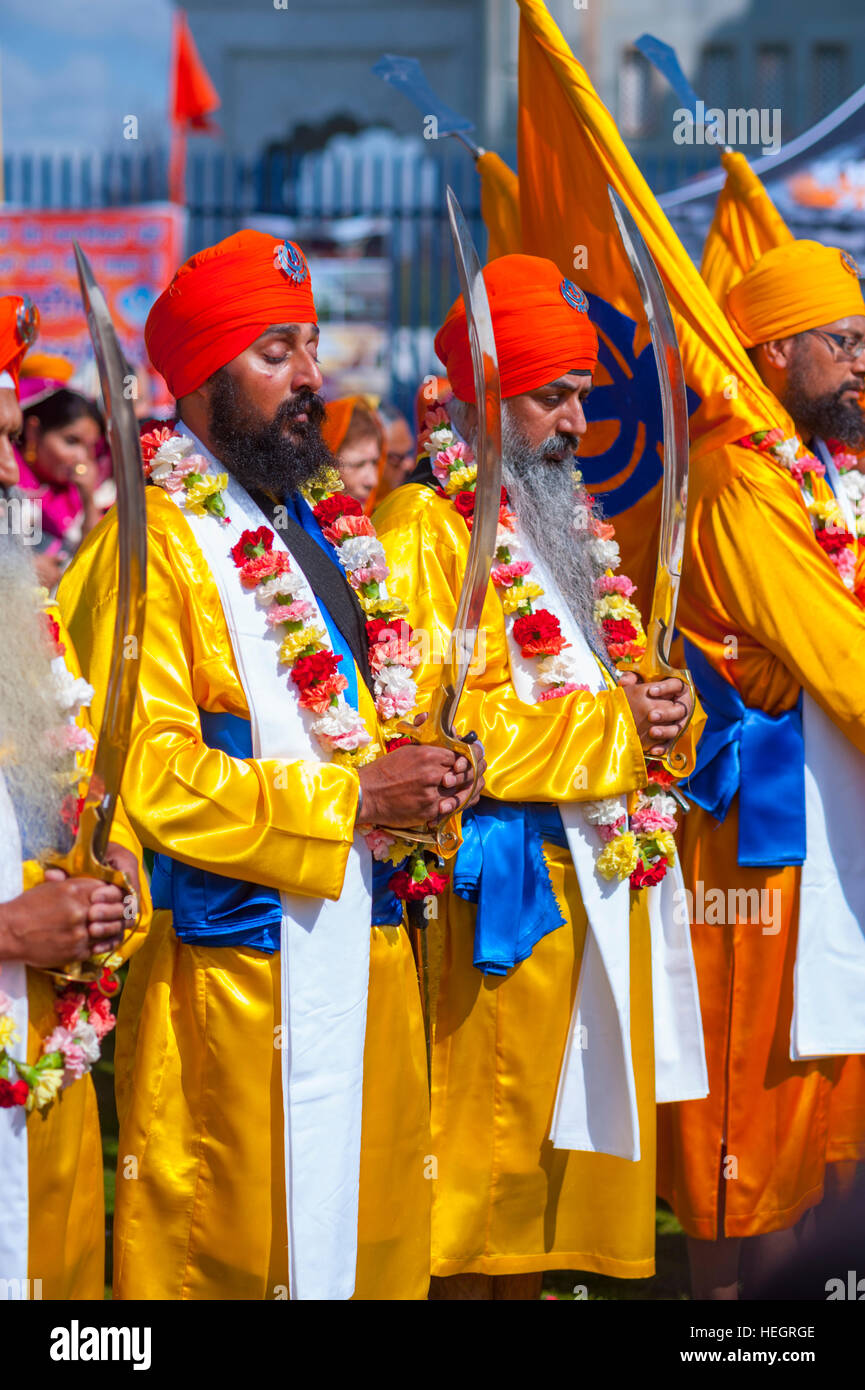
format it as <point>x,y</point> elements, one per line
<point>654,667</point>
<point>445,836</point>
<point>80,862</point>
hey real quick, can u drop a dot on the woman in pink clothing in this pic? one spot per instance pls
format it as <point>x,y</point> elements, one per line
<point>61,442</point>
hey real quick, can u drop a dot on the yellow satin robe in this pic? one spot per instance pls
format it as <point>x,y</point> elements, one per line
<point>754,572</point>
<point>200,1208</point>
<point>505,1201</point>
<point>64,1147</point>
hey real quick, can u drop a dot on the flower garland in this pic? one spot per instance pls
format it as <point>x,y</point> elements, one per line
<point>169,461</point>
<point>83,1012</point>
<point>830,529</point>
<point>852,480</point>
<point>639,847</point>
<point>84,1017</point>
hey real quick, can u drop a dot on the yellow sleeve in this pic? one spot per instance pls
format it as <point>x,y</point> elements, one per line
<point>755,561</point>
<point>284,825</point>
<point>573,749</point>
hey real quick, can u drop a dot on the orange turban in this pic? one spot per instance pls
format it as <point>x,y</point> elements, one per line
<point>19,327</point>
<point>220,301</point>
<point>541,322</point>
<point>799,285</point>
<point>339,416</point>
<point>47,364</point>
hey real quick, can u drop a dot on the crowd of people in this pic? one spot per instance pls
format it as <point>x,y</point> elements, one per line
<point>346,1066</point>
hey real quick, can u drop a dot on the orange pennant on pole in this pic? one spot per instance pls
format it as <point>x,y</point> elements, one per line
<point>193,97</point>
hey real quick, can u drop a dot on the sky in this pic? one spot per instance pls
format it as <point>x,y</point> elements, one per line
<point>70,72</point>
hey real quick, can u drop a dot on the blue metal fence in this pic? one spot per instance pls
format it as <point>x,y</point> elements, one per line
<point>405,192</point>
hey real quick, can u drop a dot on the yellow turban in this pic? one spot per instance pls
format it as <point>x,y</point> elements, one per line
<point>799,285</point>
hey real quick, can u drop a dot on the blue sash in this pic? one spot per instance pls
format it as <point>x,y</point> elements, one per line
<point>760,756</point>
<point>211,909</point>
<point>500,866</point>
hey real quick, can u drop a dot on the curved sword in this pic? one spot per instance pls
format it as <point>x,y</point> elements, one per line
<point>87,855</point>
<point>674,497</point>
<point>440,726</point>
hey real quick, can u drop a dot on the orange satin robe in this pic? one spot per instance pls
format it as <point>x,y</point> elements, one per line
<point>768,610</point>
<point>504,1200</point>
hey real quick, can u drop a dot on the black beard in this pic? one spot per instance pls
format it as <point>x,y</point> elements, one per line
<point>257,451</point>
<point>827,416</point>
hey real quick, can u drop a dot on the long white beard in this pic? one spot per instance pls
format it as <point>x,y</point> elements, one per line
<point>545,501</point>
<point>33,766</point>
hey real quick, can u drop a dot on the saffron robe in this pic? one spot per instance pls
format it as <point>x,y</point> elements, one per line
<point>769,612</point>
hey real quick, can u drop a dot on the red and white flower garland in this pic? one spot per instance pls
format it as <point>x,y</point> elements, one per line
<point>830,529</point>
<point>313,668</point>
<point>852,480</point>
<point>83,1012</point>
<point>640,846</point>
<point>84,1017</point>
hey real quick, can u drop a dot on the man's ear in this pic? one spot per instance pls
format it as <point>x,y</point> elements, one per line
<point>779,352</point>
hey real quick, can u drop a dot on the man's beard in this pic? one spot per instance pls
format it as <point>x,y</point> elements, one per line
<point>544,499</point>
<point>32,763</point>
<point>257,451</point>
<point>827,416</point>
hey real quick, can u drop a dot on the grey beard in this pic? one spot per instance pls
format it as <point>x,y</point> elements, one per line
<point>29,716</point>
<point>543,497</point>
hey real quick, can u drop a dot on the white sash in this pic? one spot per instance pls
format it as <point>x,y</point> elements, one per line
<point>14,1194</point>
<point>680,1057</point>
<point>324,950</point>
<point>829,979</point>
<point>596,1104</point>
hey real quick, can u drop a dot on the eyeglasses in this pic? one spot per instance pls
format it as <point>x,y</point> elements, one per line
<point>850,348</point>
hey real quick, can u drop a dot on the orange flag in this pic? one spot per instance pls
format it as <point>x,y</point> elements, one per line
<point>746,224</point>
<point>192,98</point>
<point>569,151</point>
<point>500,205</point>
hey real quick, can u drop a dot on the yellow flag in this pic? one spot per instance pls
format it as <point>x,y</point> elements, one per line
<point>569,151</point>
<point>500,205</point>
<point>746,224</point>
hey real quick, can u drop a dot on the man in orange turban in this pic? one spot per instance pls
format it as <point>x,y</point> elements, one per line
<point>267,1018</point>
<point>775,639</point>
<point>543,1135</point>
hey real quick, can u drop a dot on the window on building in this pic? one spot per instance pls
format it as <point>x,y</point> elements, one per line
<point>774,67</point>
<point>717,76</point>
<point>829,68</point>
<point>636,98</point>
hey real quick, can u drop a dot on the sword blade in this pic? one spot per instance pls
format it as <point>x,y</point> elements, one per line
<point>113,739</point>
<point>674,408</point>
<point>488,457</point>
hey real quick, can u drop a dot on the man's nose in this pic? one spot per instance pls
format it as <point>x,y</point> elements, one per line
<point>8,462</point>
<point>307,373</point>
<point>572,420</point>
